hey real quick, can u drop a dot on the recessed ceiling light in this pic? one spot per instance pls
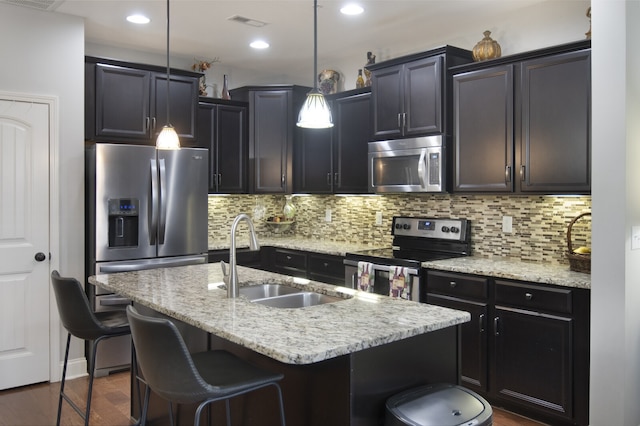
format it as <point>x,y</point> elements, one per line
<point>138,19</point>
<point>352,9</point>
<point>259,44</point>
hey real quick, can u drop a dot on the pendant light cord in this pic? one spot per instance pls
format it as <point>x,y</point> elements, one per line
<point>315,45</point>
<point>168,70</point>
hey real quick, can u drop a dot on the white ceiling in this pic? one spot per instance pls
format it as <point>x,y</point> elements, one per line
<point>201,29</point>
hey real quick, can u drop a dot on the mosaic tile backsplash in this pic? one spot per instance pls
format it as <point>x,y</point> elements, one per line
<point>539,222</point>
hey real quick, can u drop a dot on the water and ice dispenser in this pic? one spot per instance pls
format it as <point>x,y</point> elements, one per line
<point>123,222</point>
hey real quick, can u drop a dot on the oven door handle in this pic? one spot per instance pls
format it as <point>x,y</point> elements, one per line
<point>375,267</point>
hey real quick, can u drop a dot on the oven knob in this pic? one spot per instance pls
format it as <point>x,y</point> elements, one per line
<point>406,226</point>
<point>445,229</point>
<point>455,230</point>
<point>398,226</point>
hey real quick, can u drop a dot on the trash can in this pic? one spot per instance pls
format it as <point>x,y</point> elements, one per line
<point>438,405</point>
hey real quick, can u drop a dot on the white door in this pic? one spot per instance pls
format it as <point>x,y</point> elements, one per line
<point>24,233</point>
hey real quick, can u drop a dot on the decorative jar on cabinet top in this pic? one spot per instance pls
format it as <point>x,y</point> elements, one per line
<point>487,48</point>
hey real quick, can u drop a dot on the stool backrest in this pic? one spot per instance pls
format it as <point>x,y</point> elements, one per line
<point>164,359</point>
<point>74,309</point>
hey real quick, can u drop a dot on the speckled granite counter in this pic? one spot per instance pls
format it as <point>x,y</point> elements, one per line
<point>514,269</point>
<point>294,336</point>
<point>298,243</point>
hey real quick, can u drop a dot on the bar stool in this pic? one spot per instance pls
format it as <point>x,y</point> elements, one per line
<point>80,321</point>
<point>202,377</point>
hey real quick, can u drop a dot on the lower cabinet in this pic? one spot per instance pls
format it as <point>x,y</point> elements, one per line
<point>527,345</point>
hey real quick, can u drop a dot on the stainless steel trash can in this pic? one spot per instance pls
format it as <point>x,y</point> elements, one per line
<point>438,405</point>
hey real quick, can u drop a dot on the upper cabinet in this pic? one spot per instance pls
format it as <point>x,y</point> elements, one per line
<point>410,93</point>
<point>334,160</point>
<point>223,128</point>
<point>523,124</point>
<point>127,102</point>
<point>273,112</point>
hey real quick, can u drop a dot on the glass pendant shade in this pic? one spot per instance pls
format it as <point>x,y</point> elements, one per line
<point>315,113</point>
<point>168,138</point>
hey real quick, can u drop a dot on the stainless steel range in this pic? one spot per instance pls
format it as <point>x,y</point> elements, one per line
<point>415,240</point>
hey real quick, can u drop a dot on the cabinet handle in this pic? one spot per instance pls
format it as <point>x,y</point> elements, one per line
<point>399,121</point>
<point>219,179</point>
<point>326,265</point>
<point>153,123</point>
<point>496,321</point>
<point>329,178</point>
<point>336,178</point>
<point>522,172</point>
<point>528,296</point>
<point>282,179</point>
<point>404,122</point>
<point>507,174</point>
<point>288,257</point>
<point>146,123</point>
<point>481,323</point>
<point>453,284</point>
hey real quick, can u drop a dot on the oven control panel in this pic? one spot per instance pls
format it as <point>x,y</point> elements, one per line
<point>444,229</point>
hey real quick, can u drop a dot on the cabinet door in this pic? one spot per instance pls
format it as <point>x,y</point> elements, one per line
<point>483,116</point>
<point>122,103</point>
<point>423,96</point>
<point>270,148</point>
<point>388,102</point>
<point>231,138</point>
<point>206,139</point>
<point>352,134</point>
<point>326,268</point>
<point>313,167</point>
<point>183,110</point>
<point>555,150</point>
<point>533,360</point>
<point>473,340</point>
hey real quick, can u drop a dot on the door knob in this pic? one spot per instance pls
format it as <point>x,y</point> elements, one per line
<point>40,256</point>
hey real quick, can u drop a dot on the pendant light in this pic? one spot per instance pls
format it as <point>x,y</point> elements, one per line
<point>168,138</point>
<point>315,113</point>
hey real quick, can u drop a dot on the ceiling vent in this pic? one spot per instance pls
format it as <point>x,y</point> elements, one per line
<point>247,21</point>
<point>48,5</point>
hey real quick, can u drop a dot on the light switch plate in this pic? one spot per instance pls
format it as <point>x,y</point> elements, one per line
<point>379,218</point>
<point>507,224</point>
<point>635,237</point>
<point>327,215</point>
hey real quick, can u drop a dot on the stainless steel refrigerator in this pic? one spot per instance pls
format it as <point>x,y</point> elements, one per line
<point>145,208</point>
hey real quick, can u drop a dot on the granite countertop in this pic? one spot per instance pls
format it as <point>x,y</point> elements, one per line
<point>295,336</point>
<point>544,273</point>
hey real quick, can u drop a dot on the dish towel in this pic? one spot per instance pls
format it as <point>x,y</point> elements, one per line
<point>399,282</point>
<point>366,276</point>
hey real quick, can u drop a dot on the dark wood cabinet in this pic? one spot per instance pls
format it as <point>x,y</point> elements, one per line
<point>127,102</point>
<point>523,124</point>
<point>273,112</point>
<point>527,345</point>
<point>335,160</point>
<point>410,93</point>
<point>223,128</point>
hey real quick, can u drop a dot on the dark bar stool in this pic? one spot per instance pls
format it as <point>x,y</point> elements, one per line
<point>178,376</point>
<point>79,320</point>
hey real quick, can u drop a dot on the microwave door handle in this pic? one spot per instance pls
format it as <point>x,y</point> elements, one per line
<point>153,223</point>
<point>422,168</point>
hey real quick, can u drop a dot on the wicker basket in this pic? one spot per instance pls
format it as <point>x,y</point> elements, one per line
<point>577,262</point>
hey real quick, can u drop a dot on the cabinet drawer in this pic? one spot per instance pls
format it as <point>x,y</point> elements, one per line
<point>290,259</point>
<point>326,268</point>
<point>458,285</point>
<point>533,296</point>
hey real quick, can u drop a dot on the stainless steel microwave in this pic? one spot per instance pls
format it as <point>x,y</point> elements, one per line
<point>407,165</point>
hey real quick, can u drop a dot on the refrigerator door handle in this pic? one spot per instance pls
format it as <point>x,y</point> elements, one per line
<point>163,201</point>
<point>153,223</point>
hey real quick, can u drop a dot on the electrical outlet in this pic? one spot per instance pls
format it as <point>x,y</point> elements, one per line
<point>327,215</point>
<point>507,224</point>
<point>379,218</point>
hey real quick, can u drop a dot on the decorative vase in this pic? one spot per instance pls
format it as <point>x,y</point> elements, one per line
<point>487,48</point>
<point>225,88</point>
<point>289,209</point>
<point>328,80</point>
<point>371,59</point>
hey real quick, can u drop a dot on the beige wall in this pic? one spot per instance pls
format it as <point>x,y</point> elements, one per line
<point>539,223</point>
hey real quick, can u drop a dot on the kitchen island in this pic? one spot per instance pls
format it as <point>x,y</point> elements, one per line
<point>341,360</point>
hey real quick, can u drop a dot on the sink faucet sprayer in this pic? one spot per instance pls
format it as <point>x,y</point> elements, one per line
<point>231,278</point>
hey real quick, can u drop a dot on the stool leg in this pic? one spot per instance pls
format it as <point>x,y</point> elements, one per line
<point>91,374</point>
<point>64,375</point>
<point>282,421</point>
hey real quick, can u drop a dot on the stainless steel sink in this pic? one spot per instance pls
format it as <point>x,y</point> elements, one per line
<point>263,291</point>
<point>297,300</point>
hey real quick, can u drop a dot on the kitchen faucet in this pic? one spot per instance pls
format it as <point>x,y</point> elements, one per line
<point>231,278</point>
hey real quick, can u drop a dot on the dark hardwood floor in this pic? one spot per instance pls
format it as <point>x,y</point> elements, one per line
<point>37,405</point>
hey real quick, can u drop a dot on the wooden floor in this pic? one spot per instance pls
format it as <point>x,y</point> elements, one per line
<point>37,405</point>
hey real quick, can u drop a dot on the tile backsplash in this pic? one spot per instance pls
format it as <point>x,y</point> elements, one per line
<point>539,230</point>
